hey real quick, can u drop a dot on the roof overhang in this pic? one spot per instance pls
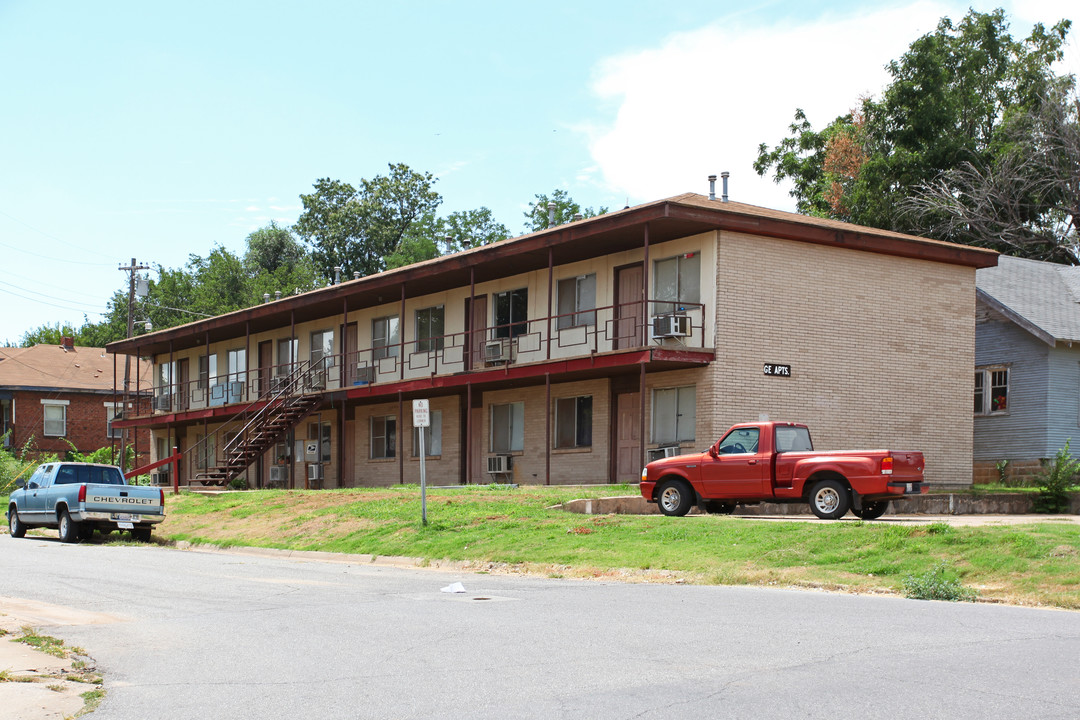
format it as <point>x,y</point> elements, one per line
<point>1014,317</point>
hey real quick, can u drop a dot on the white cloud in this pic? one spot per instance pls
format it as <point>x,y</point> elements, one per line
<point>702,101</point>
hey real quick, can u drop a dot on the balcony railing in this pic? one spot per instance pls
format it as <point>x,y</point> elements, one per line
<point>569,335</point>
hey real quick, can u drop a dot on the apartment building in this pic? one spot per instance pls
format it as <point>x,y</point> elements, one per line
<point>576,354</point>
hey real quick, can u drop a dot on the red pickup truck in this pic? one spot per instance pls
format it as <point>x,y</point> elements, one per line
<point>776,462</point>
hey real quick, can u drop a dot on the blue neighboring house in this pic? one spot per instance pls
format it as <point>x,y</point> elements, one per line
<point>1027,365</point>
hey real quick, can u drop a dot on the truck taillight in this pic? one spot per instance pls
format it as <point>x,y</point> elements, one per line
<point>82,493</point>
<point>886,465</point>
<point>161,494</point>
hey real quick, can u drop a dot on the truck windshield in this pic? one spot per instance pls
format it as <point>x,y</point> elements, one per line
<point>792,439</point>
<point>90,474</point>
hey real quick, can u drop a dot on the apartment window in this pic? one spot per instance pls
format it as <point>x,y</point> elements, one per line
<point>429,329</point>
<point>383,436</point>
<point>674,414</point>
<point>237,361</point>
<point>322,434</point>
<point>207,371</point>
<point>508,427</point>
<point>322,349</point>
<point>676,280</point>
<point>55,412</point>
<point>113,411</point>
<point>573,422</point>
<point>432,437</point>
<point>165,376</point>
<point>511,313</point>
<point>577,301</point>
<point>991,390</point>
<point>384,337</point>
<point>287,355</point>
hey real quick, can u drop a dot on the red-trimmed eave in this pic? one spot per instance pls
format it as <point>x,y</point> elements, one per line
<point>656,359</point>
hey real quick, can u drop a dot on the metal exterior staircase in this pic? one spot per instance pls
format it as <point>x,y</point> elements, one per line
<point>283,408</point>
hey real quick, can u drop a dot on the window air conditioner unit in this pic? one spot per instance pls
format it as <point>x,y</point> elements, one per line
<point>500,464</point>
<point>663,452</point>
<point>160,479</point>
<point>163,402</point>
<point>497,351</point>
<point>365,375</point>
<point>279,383</point>
<point>671,326</point>
<point>314,472</point>
<point>278,474</point>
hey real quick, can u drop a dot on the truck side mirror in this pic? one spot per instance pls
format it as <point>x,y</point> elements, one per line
<point>20,483</point>
<point>712,452</point>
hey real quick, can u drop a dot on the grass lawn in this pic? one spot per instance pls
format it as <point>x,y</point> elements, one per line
<point>1036,564</point>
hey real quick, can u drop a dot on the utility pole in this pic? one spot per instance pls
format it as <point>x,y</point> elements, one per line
<point>131,269</point>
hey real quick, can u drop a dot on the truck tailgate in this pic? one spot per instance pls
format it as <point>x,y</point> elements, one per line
<point>128,499</point>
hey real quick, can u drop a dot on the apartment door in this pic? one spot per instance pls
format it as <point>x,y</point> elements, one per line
<point>182,389</point>
<point>628,438</point>
<point>629,306</point>
<point>266,364</point>
<point>476,315</point>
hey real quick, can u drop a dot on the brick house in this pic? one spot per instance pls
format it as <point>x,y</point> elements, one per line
<point>575,354</point>
<point>1027,365</point>
<point>56,394</point>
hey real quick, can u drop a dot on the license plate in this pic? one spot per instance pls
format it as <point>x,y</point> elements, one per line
<point>124,517</point>
<point>125,525</point>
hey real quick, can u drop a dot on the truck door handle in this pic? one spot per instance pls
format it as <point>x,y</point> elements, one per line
<point>751,462</point>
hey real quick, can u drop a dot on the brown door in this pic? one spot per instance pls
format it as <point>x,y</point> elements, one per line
<point>476,313</point>
<point>266,363</point>
<point>628,438</point>
<point>629,306</point>
<point>350,353</point>
<point>479,459</point>
<point>182,389</point>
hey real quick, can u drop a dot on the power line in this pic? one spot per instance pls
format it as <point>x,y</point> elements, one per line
<point>44,302</point>
<point>48,295</point>
<point>53,237</point>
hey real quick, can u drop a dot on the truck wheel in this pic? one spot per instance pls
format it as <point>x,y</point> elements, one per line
<point>675,498</point>
<point>872,510</point>
<point>718,507</point>
<point>69,529</point>
<point>141,534</point>
<point>15,526</point>
<point>829,500</point>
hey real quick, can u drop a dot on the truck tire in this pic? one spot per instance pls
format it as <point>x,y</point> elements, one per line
<point>829,499</point>
<point>871,510</point>
<point>15,526</point>
<point>718,507</point>
<point>69,529</point>
<point>675,498</point>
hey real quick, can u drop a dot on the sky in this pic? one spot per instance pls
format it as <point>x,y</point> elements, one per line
<point>159,130</point>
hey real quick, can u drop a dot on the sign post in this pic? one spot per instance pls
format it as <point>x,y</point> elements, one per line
<point>421,419</point>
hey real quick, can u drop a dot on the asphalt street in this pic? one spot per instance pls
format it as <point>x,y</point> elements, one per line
<point>185,634</point>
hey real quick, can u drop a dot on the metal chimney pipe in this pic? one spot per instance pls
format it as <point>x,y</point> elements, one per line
<point>577,216</point>
<point>356,275</point>
<point>277,294</point>
<point>712,187</point>
<point>551,214</point>
<point>266,297</point>
<point>337,274</point>
<point>725,176</point>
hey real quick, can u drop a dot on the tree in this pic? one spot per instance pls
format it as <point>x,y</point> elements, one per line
<point>471,228</point>
<point>536,218</point>
<point>357,228</point>
<point>47,334</point>
<point>272,247</point>
<point>945,105</point>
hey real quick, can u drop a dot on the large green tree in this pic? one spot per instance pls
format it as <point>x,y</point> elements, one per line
<point>947,103</point>
<point>537,216</point>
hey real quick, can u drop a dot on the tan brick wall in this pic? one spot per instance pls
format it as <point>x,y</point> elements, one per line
<point>881,347</point>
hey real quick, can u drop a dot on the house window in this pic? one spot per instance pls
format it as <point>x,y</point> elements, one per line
<point>113,411</point>
<point>577,301</point>
<point>511,313</point>
<point>383,436</point>
<point>7,421</point>
<point>322,349</point>
<point>676,280</point>
<point>508,427</point>
<point>55,412</point>
<point>674,414</point>
<point>432,437</point>
<point>207,371</point>
<point>384,337</point>
<point>323,438</point>
<point>991,390</point>
<point>429,329</point>
<point>573,422</point>
<point>287,355</point>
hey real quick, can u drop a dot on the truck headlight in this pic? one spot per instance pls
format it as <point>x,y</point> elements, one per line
<point>644,474</point>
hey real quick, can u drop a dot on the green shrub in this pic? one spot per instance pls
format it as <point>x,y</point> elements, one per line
<point>238,483</point>
<point>936,585</point>
<point>1055,478</point>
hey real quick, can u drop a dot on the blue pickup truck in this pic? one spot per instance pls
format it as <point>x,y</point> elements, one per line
<point>79,498</point>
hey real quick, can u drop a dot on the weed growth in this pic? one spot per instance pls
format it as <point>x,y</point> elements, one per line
<point>935,584</point>
<point>1056,477</point>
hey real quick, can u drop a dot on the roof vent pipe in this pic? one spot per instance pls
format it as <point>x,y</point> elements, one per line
<point>266,297</point>
<point>356,275</point>
<point>337,274</point>
<point>724,175</point>
<point>577,216</point>
<point>712,187</point>
<point>551,214</point>
<point>277,294</point>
